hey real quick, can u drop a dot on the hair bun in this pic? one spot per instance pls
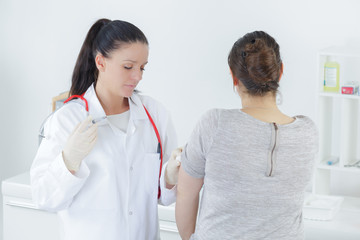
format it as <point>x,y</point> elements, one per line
<point>255,61</point>
<point>254,45</point>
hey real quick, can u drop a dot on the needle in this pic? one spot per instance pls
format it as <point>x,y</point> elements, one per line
<point>98,119</point>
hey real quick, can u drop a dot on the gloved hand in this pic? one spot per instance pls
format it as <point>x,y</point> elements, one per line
<point>172,168</point>
<point>79,144</point>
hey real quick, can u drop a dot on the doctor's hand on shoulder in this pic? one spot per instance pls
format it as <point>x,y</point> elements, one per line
<point>79,144</point>
<point>173,166</point>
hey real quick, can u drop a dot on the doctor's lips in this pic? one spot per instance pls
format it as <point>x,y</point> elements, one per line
<point>130,85</point>
<point>98,119</point>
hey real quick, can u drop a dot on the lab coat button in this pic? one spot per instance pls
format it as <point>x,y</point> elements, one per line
<point>131,168</point>
<point>130,213</point>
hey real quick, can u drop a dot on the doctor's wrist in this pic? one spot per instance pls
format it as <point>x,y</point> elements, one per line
<point>168,186</point>
<point>69,165</point>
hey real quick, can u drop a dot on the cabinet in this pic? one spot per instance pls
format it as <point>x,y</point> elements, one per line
<point>339,131</point>
<point>23,220</point>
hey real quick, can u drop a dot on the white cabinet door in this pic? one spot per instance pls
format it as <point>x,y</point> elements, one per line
<point>30,224</point>
<point>168,231</point>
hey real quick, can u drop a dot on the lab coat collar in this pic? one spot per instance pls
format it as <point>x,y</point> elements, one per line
<point>137,110</point>
<point>95,108</point>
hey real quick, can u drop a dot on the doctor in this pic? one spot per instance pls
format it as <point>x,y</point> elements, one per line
<point>103,178</point>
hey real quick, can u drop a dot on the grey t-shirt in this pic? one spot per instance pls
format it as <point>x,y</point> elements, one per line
<point>255,174</point>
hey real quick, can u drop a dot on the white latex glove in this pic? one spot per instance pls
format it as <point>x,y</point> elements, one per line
<point>172,168</point>
<point>80,142</point>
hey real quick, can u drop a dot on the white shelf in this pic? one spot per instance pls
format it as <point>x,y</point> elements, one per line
<point>339,95</point>
<point>336,167</point>
<point>341,51</point>
<point>339,127</point>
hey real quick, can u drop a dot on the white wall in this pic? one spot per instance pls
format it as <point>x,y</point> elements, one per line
<point>187,70</point>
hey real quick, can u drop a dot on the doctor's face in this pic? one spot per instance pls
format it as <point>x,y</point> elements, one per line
<point>123,69</point>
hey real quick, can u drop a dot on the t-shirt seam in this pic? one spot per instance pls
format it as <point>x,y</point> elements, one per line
<point>214,134</point>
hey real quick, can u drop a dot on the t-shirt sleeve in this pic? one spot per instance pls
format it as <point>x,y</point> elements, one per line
<point>193,158</point>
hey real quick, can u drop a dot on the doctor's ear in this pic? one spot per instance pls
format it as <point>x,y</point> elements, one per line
<point>100,62</point>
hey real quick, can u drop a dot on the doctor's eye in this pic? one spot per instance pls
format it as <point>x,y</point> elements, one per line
<point>128,67</point>
<point>142,67</point>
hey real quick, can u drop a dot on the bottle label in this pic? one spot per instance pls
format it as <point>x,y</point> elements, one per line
<point>330,76</point>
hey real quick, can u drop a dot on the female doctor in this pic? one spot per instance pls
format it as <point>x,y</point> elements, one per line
<point>100,161</point>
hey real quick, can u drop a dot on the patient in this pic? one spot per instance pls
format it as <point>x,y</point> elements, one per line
<point>253,163</point>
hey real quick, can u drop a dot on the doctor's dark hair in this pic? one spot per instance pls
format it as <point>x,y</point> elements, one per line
<point>103,37</point>
<point>255,61</point>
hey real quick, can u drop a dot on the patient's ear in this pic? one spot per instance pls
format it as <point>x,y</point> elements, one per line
<point>281,71</point>
<point>235,80</point>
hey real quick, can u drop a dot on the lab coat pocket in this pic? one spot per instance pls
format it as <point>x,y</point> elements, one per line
<point>152,168</point>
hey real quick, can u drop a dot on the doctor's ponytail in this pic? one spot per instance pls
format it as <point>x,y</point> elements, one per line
<point>103,37</point>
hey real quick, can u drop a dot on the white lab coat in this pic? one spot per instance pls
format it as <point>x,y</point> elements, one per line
<point>114,194</point>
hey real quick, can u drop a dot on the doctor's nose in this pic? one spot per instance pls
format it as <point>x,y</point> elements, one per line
<point>137,75</point>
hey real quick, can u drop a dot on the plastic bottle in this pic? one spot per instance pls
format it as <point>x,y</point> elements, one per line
<point>331,75</point>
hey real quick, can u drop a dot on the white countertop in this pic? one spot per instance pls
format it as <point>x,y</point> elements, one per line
<point>346,222</point>
<point>17,186</point>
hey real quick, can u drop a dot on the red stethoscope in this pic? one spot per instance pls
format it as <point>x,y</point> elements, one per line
<point>159,150</point>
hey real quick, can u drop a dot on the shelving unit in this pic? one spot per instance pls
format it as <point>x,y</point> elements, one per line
<point>338,122</point>
<point>339,126</point>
